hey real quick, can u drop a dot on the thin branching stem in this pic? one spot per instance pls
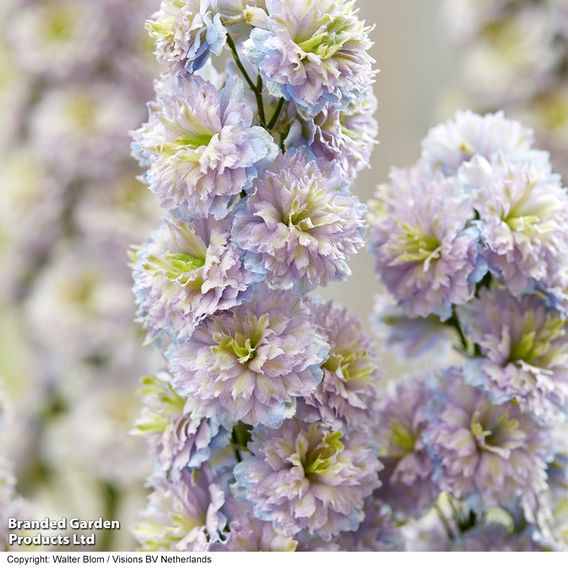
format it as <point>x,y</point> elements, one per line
<point>239,63</point>
<point>260,102</point>
<point>455,323</point>
<point>276,115</point>
<point>255,88</point>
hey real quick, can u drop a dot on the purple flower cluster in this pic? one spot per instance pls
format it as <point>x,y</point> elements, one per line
<point>470,242</point>
<point>308,477</point>
<point>262,425</point>
<point>480,202</point>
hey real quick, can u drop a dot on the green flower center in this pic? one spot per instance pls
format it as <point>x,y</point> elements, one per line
<point>402,440</point>
<point>320,459</point>
<point>329,39</point>
<point>177,266</point>
<point>349,364</point>
<point>418,246</point>
<point>521,217</point>
<point>535,346</point>
<point>162,29</point>
<point>186,132</point>
<point>242,347</point>
<point>194,141</point>
<point>300,213</point>
<point>167,399</point>
<point>165,28</point>
<point>496,436</point>
<point>185,142</point>
<point>243,344</point>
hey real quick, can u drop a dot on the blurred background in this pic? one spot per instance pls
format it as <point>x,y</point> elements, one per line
<point>74,79</point>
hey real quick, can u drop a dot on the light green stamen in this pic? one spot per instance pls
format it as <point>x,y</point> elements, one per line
<point>419,247</point>
<point>401,436</point>
<point>349,364</point>
<point>243,346</point>
<point>174,266</point>
<point>319,460</point>
<point>535,344</point>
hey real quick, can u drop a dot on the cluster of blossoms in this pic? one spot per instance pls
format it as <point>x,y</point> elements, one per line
<point>73,80</point>
<point>471,243</point>
<point>514,57</point>
<point>261,427</point>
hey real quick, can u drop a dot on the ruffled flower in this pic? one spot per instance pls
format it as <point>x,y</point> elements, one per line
<point>449,145</point>
<point>201,147</point>
<point>427,252</point>
<point>184,516</point>
<point>185,33</point>
<point>351,372</point>
<point>525,349</point>
<point>376,533</point>
<point>250,363</point>
<point>308,477</point>
<point>547,511</point>
<point>299,227</point>
<point>495,453</point>
<point>249,534</point>
<point>239,15</point>
<point>185,272</point>
<point>346,137</point>
<point>523,213</point>
<point>181,439</point>
<point>313,53</point>
<point>402,418</point>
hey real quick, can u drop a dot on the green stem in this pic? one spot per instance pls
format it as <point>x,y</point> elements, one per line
<point>236,445</point>
<point>455,323</point>
<point>276,115</point>
<point>237,59</point>
<point>260,102</point>
<point>240,437</point>
<point>256,88</point>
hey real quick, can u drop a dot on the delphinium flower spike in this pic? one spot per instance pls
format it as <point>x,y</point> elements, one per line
<point>253,163</point>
